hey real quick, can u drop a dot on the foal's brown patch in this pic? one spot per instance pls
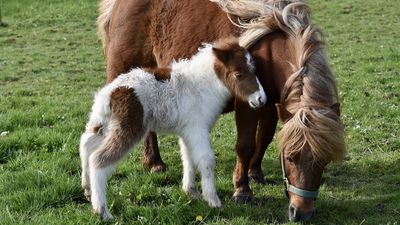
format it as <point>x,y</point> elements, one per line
<point>126,108</point>
<point>161,74</point>
<point>126,127</point>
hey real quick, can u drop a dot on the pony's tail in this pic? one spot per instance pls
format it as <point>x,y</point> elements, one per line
<point>320,129</point>
<point>103,21</point>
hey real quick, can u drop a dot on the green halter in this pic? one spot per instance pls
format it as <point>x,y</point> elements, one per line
<point>297,191</point>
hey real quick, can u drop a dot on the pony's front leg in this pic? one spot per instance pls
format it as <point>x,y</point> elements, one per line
<point>265,133</point>
<point>203,156</point>
<point>189,171</point>
<point>246,123</point>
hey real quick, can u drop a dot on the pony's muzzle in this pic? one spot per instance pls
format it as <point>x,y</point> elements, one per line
<point>296,215</point>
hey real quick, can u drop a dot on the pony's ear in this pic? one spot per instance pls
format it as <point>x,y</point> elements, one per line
<point>336,108</point>
<point>221,54</point>
<point>283,114</point>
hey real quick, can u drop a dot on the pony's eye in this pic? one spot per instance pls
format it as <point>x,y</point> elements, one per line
<point>290,159</point>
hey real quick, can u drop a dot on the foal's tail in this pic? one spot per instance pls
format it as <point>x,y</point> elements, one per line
<point>103,20</point>
<point>96,128</point>
<point>121,115</point>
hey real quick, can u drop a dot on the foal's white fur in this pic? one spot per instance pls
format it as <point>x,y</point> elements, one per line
<point>188,105</point>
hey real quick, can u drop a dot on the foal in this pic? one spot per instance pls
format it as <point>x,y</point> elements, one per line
<point>185,99</point>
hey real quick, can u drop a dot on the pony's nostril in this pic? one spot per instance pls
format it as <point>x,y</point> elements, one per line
<point>292,213</point>
<point>296,215</point>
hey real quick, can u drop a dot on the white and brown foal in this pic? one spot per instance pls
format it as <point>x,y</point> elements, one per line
<point>185,99</point>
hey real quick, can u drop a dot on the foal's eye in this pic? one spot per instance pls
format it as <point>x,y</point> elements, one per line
<point>237,75</point>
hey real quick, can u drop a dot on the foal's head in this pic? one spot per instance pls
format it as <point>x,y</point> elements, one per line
<point>235,68</point>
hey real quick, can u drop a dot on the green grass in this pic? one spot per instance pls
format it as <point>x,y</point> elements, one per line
<point>51,63</point>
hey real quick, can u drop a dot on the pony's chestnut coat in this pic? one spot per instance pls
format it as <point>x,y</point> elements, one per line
<point>185,99</point>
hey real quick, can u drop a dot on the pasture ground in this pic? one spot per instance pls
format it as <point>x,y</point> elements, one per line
<point>51,63</point>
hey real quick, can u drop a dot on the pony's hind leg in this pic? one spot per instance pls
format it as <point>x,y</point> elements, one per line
<point>151,154</point>
<point>189,171</point>
<point>90,141</point>
<point>203,157</point>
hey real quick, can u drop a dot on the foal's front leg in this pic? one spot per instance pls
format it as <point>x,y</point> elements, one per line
<point>203,158</point>
<point>189,171</point>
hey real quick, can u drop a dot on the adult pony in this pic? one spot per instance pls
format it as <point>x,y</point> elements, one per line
<point>290,63</point>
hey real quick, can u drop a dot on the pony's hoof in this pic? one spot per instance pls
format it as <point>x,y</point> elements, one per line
<point>243,197</point>
<point>103,213</point>
<point>257,176</point>
<point>158,168</point>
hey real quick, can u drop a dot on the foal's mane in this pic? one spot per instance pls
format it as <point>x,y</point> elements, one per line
<point>309,93</point>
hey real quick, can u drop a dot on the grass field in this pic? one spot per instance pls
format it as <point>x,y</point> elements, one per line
<point>51,63</point>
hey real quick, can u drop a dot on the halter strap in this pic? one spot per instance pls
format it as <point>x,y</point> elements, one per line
<point>297,191</point>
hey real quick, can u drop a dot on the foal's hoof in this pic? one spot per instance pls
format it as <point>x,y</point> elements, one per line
<point>243,197</point>
<point>192,193</point>
<point>103,213</point>
<point>214,203</point>
<point>88,194</point>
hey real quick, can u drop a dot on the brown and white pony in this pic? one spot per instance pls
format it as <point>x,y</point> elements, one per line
<point>185,99</point>
<point>290,63</point>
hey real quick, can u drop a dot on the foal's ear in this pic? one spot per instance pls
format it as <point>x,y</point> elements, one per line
<point>336,108</point>
<point>221,54</point>
<point>283,114</point>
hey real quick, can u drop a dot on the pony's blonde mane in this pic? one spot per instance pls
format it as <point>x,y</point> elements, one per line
<point>310,92</point>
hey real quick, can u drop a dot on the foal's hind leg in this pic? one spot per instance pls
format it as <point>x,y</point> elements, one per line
<point>102,163</point>
<point>90,141</point>
<point>125,129</point>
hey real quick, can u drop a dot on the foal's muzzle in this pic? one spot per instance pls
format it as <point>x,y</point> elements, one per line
<point>258,98</point>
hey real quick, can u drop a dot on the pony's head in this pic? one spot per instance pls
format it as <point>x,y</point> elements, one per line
<point>310,138</point>
<point>312,134</point>
<point>235,68</point>
<point>300,81</point>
